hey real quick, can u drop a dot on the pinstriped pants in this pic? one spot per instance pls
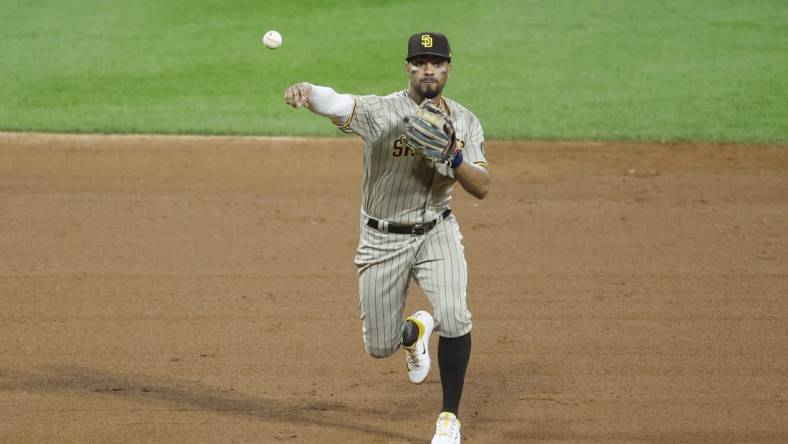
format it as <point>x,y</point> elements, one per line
<point>387,262</point>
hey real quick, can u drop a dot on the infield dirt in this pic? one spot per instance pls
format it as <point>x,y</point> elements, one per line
<point>181,290</point>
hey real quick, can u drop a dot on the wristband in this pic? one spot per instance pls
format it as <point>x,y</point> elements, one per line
<point>457,159</point>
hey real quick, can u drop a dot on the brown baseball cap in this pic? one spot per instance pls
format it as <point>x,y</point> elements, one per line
<point>428,44</point>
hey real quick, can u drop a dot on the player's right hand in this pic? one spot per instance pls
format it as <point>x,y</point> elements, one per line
<point>297,95</point>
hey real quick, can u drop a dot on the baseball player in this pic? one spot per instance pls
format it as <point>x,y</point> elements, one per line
<point>417,144</point>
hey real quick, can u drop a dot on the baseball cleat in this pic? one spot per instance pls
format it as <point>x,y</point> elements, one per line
<point>447,429</point>
<point>417,356</point>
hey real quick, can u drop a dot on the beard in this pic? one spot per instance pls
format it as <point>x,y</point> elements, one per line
<point>430,90</point>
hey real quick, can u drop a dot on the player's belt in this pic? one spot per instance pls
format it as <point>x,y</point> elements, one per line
<point>415,230</point>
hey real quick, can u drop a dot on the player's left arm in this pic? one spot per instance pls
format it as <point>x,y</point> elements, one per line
<point>472,171</point>
<point>474,178</point>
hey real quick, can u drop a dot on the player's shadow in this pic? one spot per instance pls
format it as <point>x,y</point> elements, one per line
<point>187,394</point>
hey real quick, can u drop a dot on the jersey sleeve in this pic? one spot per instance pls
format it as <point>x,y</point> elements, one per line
<point>366,117</point>
<point>473,151</point>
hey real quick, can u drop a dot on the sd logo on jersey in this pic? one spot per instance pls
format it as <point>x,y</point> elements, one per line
<point>401,150</point>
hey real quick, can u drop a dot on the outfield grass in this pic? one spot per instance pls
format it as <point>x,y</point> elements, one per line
<point>552,69</point>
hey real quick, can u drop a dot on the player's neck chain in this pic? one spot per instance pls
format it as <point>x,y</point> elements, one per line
<point>438,100</point>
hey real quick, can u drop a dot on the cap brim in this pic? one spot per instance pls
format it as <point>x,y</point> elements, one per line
<point>427,54</point>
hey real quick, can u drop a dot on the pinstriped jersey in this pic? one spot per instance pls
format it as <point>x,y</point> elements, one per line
<point>398,185</point>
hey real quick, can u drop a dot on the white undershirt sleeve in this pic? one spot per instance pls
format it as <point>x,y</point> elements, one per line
<point>329,103</point>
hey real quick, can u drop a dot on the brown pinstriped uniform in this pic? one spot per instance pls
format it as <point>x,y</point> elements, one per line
<point>401,187</point>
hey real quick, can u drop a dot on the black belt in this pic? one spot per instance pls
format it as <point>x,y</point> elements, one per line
<point>416,230</point>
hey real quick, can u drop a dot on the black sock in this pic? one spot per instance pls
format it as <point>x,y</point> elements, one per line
<point>453,356</point>
<point>410,333</point>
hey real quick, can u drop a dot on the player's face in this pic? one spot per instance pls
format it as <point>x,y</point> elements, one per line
<point>428,75</point>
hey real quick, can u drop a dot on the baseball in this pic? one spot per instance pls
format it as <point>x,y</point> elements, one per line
<point>272,39</point>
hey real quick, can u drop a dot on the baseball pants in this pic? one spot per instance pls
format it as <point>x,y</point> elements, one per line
<point>387,262</point>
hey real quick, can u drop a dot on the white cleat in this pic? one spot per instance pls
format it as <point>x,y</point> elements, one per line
<point>447,429</point>
<point>417,355</point>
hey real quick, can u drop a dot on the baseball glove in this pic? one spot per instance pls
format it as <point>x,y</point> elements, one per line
<point>431,133</point>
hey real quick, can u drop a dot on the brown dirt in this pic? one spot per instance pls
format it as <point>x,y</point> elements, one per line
<point>181,290</point>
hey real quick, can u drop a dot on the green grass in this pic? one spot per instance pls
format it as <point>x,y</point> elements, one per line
<point>714,70</point>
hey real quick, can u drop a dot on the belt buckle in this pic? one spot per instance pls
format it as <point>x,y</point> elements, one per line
<point>421,229</point>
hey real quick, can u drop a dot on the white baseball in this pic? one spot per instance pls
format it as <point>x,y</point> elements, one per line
<point>272,39</point>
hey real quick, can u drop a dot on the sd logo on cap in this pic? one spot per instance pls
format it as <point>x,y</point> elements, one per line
<point>428,44</point>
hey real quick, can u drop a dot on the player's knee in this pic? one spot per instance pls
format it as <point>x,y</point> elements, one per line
<point>453,325</point>
<point>456,331</point>
<point>379,354</point>
<point>377,351</point>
